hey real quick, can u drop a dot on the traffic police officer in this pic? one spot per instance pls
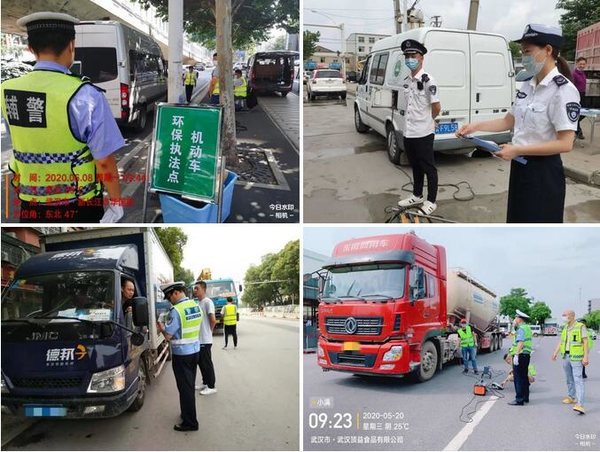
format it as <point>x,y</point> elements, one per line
<point>522,346</point>
<point>62,131</point>
<point>467,346</point>
<point>189,81</point>
<point>544,120</point>
<point>240,90</point>
<point>420,105</point>
<point>182,330</point>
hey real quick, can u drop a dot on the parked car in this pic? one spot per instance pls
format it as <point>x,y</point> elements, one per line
<point>326,82</point>
<point>125,63</point>
<point>272,72</point>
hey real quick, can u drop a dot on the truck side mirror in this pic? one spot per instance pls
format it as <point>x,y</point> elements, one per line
<point>140,311</point>
<point>137,339</point>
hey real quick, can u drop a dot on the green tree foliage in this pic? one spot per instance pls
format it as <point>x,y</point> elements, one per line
<point>252,19</point>
<point>279,43</point>
<point>275,279</point>
<point>540,311</point>
<point>578,15</point>
<point>517,299</point>
<point>515,50</point>
<point>173,241</point>
<point>309,43</point>
<point>593,320</point>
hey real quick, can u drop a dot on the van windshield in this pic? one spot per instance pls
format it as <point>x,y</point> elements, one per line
<point>97,63</point>
<point>363,280</point>
<point>87,295</point>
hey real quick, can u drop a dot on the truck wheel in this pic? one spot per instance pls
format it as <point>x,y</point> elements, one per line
<point>358,124</point>
<point>284,93</point>
<point>138,402</point>
<point>393,149</point>
<point>140,124</point>
<point>429,360</point>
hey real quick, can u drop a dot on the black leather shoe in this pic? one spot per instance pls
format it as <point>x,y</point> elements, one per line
<point>526,401</point>
<point>184,428</point>
<point>514,402</point>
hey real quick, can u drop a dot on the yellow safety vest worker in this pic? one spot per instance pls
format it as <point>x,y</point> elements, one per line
<point>527,341</point>
<point>49,163</point>
<point>216,89</point>
<point>575,342</point>
<point>190,78</point>
<point>241,90</point>
<point>466,337</point>
<point>229,314</point>
<point>190,315</point>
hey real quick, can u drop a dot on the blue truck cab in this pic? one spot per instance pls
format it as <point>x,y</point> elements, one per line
<point>218,290</point>
<point>69,349</point>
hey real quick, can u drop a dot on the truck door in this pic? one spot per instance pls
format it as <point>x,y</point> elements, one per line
<point>491,78</point>
<point>132,360</point>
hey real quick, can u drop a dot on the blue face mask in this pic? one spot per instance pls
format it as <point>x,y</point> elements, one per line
<point>411,63</point>
<point>531,65</point>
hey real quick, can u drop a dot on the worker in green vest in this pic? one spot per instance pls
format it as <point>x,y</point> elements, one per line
<point>467,346</point>
<point>521,348</point>
<point>590,342</point>
<point>189,81</point>
<point>240,90</point>
<point>183,330</point>
<point>573,349</point>
<point>230,319</point>
<point>62,131</point>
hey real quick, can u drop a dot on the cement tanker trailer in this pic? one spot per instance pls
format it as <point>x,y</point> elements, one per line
<point>388,307</point>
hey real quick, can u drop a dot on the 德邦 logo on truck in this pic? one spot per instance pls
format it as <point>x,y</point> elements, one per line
<point>350,325</point>
<point>59,357</point>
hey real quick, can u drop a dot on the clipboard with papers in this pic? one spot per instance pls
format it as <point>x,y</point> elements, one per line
<point>490,146</point>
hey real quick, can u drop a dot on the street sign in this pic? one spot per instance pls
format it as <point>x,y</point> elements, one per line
<point>186,149</point>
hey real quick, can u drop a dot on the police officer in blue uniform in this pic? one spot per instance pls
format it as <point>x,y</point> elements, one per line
<point>544,121</point>
<point>182,330</point>
<point>63,194</point>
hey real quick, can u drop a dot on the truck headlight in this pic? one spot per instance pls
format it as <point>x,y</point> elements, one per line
<point>111,380</point>
<point>394,354</point>
<point>320,351</point>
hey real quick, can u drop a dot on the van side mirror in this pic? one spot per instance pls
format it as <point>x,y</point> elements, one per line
<point>140,311</point>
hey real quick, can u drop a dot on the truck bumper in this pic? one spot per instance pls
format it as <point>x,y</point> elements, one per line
<point>365,359</point>
<point>70,407</point>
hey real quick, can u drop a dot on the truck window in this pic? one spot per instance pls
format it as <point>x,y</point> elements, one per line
<point>377,74</point>
<point>364,280</point>
<point>97,63</point>
<point>431,283</point>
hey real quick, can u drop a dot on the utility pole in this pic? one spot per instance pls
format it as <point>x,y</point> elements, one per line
<point>175,50</point>
<point>473,11</point>
<point>224,60</point>
<point>436,21</point>
<point>397,16</point>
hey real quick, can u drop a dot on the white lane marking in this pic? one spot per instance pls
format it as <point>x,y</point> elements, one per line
<point>466,431</point>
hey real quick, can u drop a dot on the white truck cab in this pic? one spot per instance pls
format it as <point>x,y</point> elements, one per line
<point>473,72</point>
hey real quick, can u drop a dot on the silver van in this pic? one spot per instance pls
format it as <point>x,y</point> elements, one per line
<point>124,62</point>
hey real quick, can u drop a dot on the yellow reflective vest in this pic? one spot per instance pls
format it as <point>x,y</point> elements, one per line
<point>49,163</point>
<point>575,341</point>
<point>190,315</point>
<point>190,78</point>
<point>466,337</point>
<point>229,314</point>
<point>241,90</point>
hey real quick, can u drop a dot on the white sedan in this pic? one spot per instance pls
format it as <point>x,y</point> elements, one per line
<point>326,82</point>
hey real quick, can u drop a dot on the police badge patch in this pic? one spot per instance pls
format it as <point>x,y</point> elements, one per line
<point>573,109</point>
<point>433,89</point>
<point>25,108</point>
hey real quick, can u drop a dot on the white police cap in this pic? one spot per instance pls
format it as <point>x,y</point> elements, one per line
<point>47,21</point>
<point>522,314</point>
<point>170,287</point>
<point>542,34</point>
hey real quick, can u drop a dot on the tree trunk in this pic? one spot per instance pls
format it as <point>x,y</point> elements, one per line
<point>225,62</point>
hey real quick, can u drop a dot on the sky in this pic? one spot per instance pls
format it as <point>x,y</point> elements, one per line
<point>506,17</point>
<point>228,250</point>
<point>551,263</point>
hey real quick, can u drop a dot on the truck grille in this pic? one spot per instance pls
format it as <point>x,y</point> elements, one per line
<point>365,326</point>
<point>47,383</point>
<point>351,359</point>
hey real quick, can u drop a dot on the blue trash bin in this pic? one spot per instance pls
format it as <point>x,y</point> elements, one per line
<point>177,210</point>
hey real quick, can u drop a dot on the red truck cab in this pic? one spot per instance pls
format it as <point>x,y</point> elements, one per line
<point>382,309</point>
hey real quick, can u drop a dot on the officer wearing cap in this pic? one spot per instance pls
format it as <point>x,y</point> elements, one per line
<point>522,346</point>
<point>544,121</point>
<point>182,330</point>
<point>62,130</point>
<point>420,105</point>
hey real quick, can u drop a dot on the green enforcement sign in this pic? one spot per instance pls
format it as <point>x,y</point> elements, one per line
<point>186,147</point>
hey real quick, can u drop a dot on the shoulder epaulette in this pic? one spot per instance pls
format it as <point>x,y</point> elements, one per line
<point>560,80</point>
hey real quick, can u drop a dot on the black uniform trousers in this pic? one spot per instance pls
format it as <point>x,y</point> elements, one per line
<point>420,155</point>
<point>90,211</point>
<point>231,330</point>
<point>206,365</point>
<point>521,378</point>
<point>536,191</point>
<point>184,368</point>
<point>188,92</point>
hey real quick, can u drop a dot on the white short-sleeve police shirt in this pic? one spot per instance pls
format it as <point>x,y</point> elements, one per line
<point>417,104</point>
<point>541,110</point>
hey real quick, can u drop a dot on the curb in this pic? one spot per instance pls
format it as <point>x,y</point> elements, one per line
<point>592,179</point>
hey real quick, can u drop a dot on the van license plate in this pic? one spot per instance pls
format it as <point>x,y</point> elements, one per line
<point>446,127</point>
<point>351,346</point>
<point>45,411</point>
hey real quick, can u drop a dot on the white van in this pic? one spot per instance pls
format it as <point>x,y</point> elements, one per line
<point>124,62</point>
<point>473,72</point>
<point>536,330</point>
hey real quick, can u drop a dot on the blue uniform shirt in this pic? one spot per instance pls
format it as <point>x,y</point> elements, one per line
<point>173,327</point>
<point>90,117</point>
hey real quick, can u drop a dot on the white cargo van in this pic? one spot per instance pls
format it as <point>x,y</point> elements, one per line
<point>124,62</point>
<point>473,72</point>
